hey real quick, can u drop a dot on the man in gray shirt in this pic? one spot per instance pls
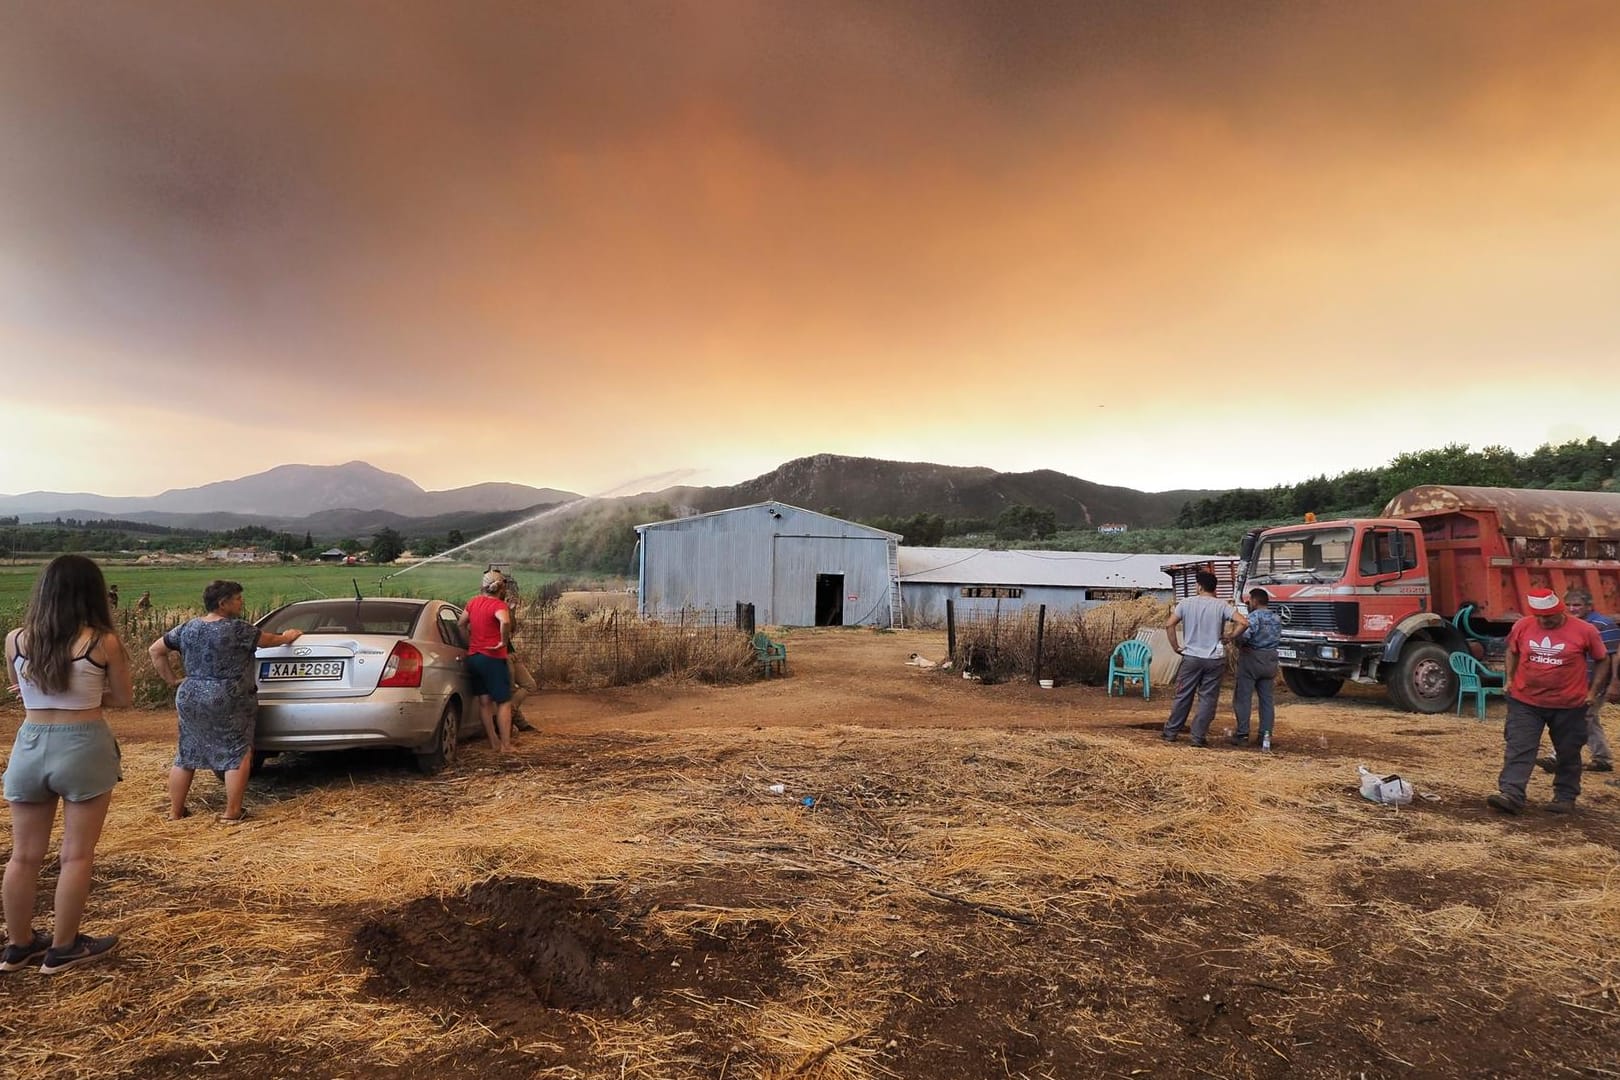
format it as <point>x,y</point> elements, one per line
<point>1209,621</point>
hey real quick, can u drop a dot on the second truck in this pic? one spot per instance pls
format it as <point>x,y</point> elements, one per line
<point>1444,569</point>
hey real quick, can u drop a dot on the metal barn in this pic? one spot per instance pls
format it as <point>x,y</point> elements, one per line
<point>797,567</point>
<point>1008,581</point>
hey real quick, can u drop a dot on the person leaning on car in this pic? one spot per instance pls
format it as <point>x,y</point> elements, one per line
<point>488,625</point>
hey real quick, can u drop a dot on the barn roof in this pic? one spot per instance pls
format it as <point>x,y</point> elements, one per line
<point>767,504</point>
<point>1079,569</point>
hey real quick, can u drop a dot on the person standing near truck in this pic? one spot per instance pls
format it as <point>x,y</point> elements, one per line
<point>1207,619</point>
<point>1579,603</point>
<point>1548,687</point>
<point>1257,669</point>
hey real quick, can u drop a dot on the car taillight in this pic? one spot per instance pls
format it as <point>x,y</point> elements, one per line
<point>404,666</point>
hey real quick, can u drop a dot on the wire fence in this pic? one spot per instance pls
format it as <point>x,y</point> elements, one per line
<point>579,649</point>
<point>1070,645</point>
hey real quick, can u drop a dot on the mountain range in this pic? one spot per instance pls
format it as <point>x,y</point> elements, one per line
<point>357,498</point>
<point>287,493</point>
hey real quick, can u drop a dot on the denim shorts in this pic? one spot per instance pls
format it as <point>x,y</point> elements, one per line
<point>490,677</point>
<point>75,761</point>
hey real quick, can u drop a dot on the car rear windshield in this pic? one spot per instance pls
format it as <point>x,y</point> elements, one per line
<point>345,617</point>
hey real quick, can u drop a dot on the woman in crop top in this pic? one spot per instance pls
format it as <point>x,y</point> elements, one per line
<point>67,663</point>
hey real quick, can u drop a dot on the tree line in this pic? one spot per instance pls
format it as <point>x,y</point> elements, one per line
<point>1591,465</point>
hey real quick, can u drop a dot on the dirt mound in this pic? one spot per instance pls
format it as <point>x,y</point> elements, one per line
<point>513,950</point>
<point>506,941</point>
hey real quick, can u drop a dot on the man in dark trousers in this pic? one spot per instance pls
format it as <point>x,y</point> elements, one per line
<point>1579,604</point>
<point>1257,669</point>
<point>1548,687</point>
<point>1209,621</point>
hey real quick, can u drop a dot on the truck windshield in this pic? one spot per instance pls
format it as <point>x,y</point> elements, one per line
<point>1309,556</point>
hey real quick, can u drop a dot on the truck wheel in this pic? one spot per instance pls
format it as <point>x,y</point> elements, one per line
<point>1423,681</point>
<point>1308,684</point>
<point>446,742</point>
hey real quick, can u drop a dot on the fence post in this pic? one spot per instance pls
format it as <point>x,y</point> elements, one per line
<point>618,671</point>
<point>950,629</point>
<point>995,637</point>
<point>1040,639</point>
<point>540,652</point>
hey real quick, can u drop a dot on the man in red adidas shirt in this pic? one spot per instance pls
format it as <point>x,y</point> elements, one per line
<point>1548,687</point>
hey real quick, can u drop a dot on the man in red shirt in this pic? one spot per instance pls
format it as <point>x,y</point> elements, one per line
<point>1548,687</point>
<point>488,625</point>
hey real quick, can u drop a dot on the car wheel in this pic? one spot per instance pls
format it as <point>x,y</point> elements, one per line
<point>260,757</point>
<point>446,742</point>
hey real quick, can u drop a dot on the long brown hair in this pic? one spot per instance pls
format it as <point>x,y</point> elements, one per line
<point>68,597</point>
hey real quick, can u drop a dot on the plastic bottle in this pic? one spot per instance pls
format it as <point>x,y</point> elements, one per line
<point>1265,741</point>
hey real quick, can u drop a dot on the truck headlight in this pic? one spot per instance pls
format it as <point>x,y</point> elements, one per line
<point>1328,652</point>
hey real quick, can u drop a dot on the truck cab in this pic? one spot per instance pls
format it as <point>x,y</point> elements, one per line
<point>1348,594</point>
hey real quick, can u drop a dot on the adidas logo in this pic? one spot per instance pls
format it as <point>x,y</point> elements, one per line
<point>1546,651</point>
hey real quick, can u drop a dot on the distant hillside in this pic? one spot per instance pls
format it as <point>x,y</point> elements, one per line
<point>289,492</point>
<point>868,487</point>
<point>357,500</point>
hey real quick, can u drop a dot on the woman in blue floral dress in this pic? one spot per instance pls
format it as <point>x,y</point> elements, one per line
<point>218,699</point>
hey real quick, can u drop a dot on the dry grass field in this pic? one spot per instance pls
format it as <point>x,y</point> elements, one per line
<point>989,881</point>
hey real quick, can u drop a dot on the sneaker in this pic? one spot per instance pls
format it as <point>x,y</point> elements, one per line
<point>1502,803</point>
<point>1238,740</point>
<point>1548,763</point>
<point>85,949</point>
<point>1601,765</point>
<point>520,724</point>
<point>1198,742</point>
<point>1561,806</point>
<point>1167,738</point>
<point>17,957</point>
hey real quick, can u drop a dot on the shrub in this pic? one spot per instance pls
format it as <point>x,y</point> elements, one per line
<point>566,646</point>
<point>1075,647</point>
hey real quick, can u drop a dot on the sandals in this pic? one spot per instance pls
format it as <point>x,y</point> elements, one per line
<point>237,820</point>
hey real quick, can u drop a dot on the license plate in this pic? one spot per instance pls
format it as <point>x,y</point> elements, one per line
<point>272,670</point>
<point>1287,654</point>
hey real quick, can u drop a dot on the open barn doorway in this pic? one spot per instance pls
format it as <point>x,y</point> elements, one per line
<point>829,599</point>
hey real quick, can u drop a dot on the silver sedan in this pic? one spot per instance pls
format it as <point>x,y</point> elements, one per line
<point>375,671</point>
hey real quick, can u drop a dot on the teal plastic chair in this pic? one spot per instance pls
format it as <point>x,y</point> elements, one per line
<point>1130,660</point>
<point>1475,678</point>
<point>772,655</point>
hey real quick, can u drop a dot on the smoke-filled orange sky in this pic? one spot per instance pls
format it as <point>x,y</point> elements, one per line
<point>1159,244</point>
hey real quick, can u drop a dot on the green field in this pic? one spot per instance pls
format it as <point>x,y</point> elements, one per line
<point>266,585</point>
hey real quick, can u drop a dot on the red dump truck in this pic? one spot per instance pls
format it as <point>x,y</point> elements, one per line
<point>1445,569</point>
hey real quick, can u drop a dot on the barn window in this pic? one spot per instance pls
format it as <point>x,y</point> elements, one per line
<point>1113,594</point>
<point>991,592</point>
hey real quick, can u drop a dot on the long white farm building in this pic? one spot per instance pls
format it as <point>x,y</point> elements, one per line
<point>982,580</point>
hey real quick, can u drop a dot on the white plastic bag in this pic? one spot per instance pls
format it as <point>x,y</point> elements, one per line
<point>1390,790</point>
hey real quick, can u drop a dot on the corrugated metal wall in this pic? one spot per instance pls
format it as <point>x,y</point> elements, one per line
<point>925,601</point>
<point>769,556</point>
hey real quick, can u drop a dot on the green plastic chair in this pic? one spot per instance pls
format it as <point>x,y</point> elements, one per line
<point>1130,660</point>
<point>772,655</point>
<point>1472,678</point>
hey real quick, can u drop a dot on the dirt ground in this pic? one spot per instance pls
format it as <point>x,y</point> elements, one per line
<point>956,881</point>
